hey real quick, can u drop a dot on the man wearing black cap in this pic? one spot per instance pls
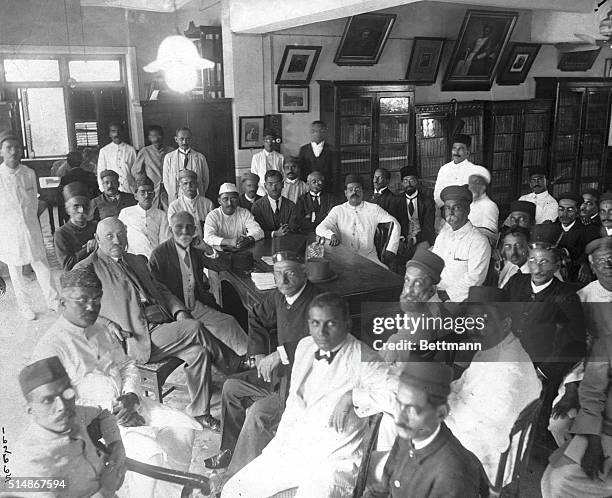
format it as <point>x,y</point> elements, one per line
<point>589,209</point>
<point>266,159</point>
<point>456,172</point>
<point>427,460</point>
<point>111,201</point>
<point>354,223</point>
<point>75,239</point>
<point>56,444</point>
<point>77,174</point>
<point>605,213</point>
<point>546,205</point>
<point>466,252</point>
<point>482,414</point>
<point>522,214</point>
<point>417,211</point>
<point>313,206</point>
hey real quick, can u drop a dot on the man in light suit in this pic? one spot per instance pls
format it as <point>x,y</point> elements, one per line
<point>336,382</point>
<point>184,158</point>
<point>150,319</point>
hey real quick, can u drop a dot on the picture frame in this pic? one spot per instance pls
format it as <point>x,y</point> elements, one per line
<point>251,130</point>
<point>425,60</point>
<point>516,63</point>
<point>608,69</point>
<point>293,99</point>
<point>297,65</point>
<point>578,61</point>
<point>482,39</point>
<point>363,39</point>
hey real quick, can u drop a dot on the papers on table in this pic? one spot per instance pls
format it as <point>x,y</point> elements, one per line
<point>268,260</point>
<point>263,281</point>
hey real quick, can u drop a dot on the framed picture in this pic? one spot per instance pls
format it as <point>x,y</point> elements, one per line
<point>364,39</point>
<point>425,60</point>
<point>482,39</point>
<point>578,61</point>
<point>251,132</point>
<point>516,63</point>
<point>293,99</point>
<point>297,65</point>
<point>608,69</point>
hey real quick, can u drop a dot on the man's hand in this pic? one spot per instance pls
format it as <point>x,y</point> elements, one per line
<point>567,402</point>
<point>593,459</point>
<point>116,459</point>
<point>243,241</point>
<point>183,315</point>
<point>120,334</point>
<point>283,230</point>
<point>333,241</point>
<point>258,358</point>
<point>267,365</point>
<point>343,411</point>
<point>111,479</point>
<point>124,406</point>
<point>92,245</point>
<point>584,273</point>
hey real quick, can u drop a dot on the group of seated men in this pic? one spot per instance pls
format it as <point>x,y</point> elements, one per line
<point>134,291</point>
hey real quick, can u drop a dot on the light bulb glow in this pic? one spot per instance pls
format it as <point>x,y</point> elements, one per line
<point>180,78</point>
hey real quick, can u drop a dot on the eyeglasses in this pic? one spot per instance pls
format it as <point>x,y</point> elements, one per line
<point>85,300</point>
<point>66,395</point>
<point>415,409</point>
<point>603,261</point>
<point>539,262</point>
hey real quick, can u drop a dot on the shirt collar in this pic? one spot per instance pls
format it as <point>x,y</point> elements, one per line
<point>318,145</point>
<point>181,250</point>
<point>274,203</point>
<point>287,180</point>
<point>184,152</point>
<point>525,268</point>
<point>250,199</point>
<point>569,227</point>
<point>541,196</point>
<point>540,288</point>
<point>380,191</point>
<point>314,194</point>
<point>292,299</point>
<point>413,196</point>
<point>266,153</point>
<point>141,210</point>
<point>608,231</point>
<point>463,231</point>
<point>359,207</point>
<point>418,445</point>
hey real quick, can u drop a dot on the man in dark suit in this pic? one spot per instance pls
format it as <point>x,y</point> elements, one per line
<point>250,184</point>
<point>382,195</point>
<point>276,325</point>
<point>318,155</point>
<point>313,206</point>
<point>589,209</point>
<point>274,213</point>
<point>152,321</point>
<point>78,174</point>
<point>179,265</point>
<point>111,201</point>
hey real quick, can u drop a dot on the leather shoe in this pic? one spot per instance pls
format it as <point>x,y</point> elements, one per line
<point>219,461</point>
<point>209,422</point>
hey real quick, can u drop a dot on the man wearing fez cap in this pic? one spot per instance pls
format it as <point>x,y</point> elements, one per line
<point>354,223</point>
<point>104,376</point>
<point>427,460</point>
<point>266,159</point>
<point>482,414</point>
<point>484,213</point>
<point>111,201</point>
<point>75,239</point>
<point>589,209</point>
<point>417,213</point>
<point>465,251</point>
<point>605,213</point>
<point>76,173</point>
<point>190,201</point>
<point>56,443</point>
<point>21,240</point>
<point>230,224</point>
<point>522,214</point>
<point>250,185</point>
<point>546,205</point>
<point>276,325</point>
<point>456,172</point>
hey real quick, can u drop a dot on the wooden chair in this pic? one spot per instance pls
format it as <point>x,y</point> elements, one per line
<point>154,375</point>
<point>381,238</point>
<point>521,441</point>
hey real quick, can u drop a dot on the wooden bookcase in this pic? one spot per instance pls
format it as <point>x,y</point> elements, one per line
<point>370,125</point>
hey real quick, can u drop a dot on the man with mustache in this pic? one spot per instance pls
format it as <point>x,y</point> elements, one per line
<point>111,201</point>
<point>250,184</point>
<point>118,156</point>
<point>522,214</point>
<point>313,206</point>
<point>293,186</point>
<point>484,213</point>
<point>417,211</point>
<point>515,251</point>
<point>382,195</point>
<point>265,160</point>
<point>354,223</point>
<point>605,213</point>
<point>56,443</point>
<point>546,205</point>
<point>274,213</point>
<point>589,209</point>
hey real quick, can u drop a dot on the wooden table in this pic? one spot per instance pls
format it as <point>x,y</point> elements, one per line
<point>359,279</point>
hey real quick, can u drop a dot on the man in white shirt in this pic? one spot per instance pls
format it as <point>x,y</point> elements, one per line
<point>515,251</point>
<point>354,223</point>
<point>230,224</point>
<point>147,227</point>
<point>605,213</point>
<point>118,156</point>
<point>546,205</point>
<point>184,158</point>
<point>189,200</point>
<point>456,172</point>
<point>293,187</point>
<point>265,160</point>
<point>484,213</point>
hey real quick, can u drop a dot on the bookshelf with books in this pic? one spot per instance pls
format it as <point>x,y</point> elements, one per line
<point>579,137</point>
<point>370,125</point>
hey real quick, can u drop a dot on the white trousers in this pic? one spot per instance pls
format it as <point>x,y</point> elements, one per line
<point>223,326</point>
<point>45,280</point>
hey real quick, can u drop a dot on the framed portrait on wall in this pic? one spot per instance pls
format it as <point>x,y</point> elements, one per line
<point>293,99</point>
<point>578,61</point>
<point>516,63</point>
<point>363,39</point>
<point>425,60</point>
<point>482,39</point>
<point>251,132</point>
<point>297,65</point>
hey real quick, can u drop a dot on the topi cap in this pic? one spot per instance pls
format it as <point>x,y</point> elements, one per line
<point>538,170</point>
<point>429,262</point>
<point>228,188</point>
<point>353,179</point>
<point>481,171</point>
<point>462,139</point>
<point>602,243</point>
<point>108,172</point>
<point>281,256</point>
<point>83,276</point>
<point>572,196</point>
<point>251,176</point>
<point>187,173</point>
<point>484,294</point>
<point>456,193</point>
<point>8,135</point>
<point>432,377</point>
<point>543,235</point>
<point>40,373</point>
<point>74,189</point>
<point>606,196</point>
<point>524,207</point>
<point>590,191</point>
<point>409,171</point>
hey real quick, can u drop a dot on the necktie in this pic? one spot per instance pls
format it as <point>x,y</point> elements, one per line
<point>185,160</point>
<point>316,203</point>
<point>410,207</point>
<point>187,259</point>
<point>326,355</point>
<point>133,278</point>
<point>275,206</point>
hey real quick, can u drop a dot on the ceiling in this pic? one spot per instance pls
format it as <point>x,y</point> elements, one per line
<point>150,5</point>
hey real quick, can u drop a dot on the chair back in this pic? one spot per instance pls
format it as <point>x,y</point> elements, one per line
<point>368,446</point>
<point>517,455</point>
<point>381,238</point>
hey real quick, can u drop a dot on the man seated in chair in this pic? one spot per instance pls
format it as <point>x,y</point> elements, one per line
<point>104,376</point>
<point>313,206</point>
<point>111,201</point>
<point>154,323</point>
<point>283,313</point>
<point>353,224</point>
<point>274,212</point>
<point>179,265</point>
<point>336,383</point>
<point>250,184</point>
<point>56,443</point>
<point>482,413</point>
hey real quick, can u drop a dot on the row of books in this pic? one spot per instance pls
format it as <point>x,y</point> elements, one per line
<point>393,130</point>
<point>536,122</point>
<point>559,188</point>
<point>563,169</point>
<point>534,139</point>
<point>534,157</point>
<point>586,185</point>
<point>430,167</point>
<point>501,179</point>
<point>568,119</point>
<point>505,124</point>
<point>431,128</point>
<point>592,143</point>
<point>596,120</point>
<point>355,133</point>
<point>505,142</point>
<point>503,160</point>
<point>392,161</point>
<point>433,147</point>
<point>566,144</point>
<point>598,98</point>
<point>356,107</point>
<point>590,167</point>
<point>569,99</point>
<point>473,126</point>
<point>502,196</point>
